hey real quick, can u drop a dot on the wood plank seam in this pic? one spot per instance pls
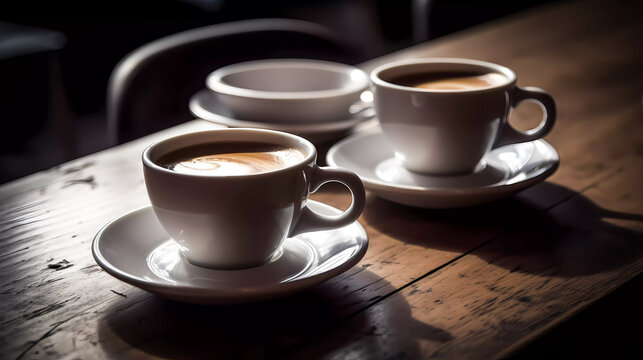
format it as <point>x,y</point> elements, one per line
<point>546,209</point>
<point>384,297</point>
<point>453,261</point>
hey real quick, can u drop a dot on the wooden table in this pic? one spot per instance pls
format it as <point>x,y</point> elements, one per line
<point>465,283</point>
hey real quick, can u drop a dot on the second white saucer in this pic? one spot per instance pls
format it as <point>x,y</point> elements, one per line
<point>508,170</point>
<point>206,105</point>
<point>134,248</point>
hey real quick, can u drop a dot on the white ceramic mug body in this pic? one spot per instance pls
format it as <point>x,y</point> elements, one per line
<point>288,90</point>
<point>240,221</point>
<point>447,132</point>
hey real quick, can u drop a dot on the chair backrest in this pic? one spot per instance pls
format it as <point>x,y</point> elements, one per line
<point>150,88</point>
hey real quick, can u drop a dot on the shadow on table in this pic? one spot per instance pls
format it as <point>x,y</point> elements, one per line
<point>315,322</point>
<point>572,238</point>
<point>602,331</point>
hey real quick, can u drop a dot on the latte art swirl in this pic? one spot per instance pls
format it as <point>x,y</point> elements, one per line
<point>238,163</point>
<point>225,159</point>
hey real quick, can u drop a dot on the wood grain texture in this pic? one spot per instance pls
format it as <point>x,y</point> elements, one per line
<point>546,266</point>
<point>543,267</point>
<point>462,283</point>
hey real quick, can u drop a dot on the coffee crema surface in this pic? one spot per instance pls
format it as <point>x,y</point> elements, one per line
<point>232,158</point>
<point>451,80</point>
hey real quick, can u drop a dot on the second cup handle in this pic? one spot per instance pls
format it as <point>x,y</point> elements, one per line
<point>312,221</point>
<point>509,135</point>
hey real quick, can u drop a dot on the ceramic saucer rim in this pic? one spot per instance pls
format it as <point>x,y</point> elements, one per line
<point>304,128</point>
<point>378,184</point>
<point>205,294</point>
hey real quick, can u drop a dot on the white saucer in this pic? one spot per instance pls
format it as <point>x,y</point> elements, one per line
<point>509,169</point>
<point>135,248</point>
<point>205,105</point>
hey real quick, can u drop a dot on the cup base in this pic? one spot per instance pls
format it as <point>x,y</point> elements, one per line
<point>273,257</point>
<point>479,168</point>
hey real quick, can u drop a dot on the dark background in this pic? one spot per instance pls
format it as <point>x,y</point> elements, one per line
<point>56,58</point>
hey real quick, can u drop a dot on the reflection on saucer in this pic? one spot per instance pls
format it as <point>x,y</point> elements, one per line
<point>392,171</point>
<point>287,264</point>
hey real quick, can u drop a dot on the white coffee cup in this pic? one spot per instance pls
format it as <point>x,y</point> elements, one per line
<point>449,131</point>
<point>238,221</point>
<point>289,90</point>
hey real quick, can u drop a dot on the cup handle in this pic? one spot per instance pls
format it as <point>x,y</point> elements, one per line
<point>509,135</point>
<point>312,221</point>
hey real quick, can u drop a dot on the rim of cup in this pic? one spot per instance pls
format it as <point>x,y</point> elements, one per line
<point>359,80</point>
<point>238,135</point>
<point>489,66</point>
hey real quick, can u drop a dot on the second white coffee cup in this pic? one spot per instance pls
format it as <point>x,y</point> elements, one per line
<point>447,129</point>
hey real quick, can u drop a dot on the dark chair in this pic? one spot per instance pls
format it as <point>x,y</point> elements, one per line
<point>150,88</point>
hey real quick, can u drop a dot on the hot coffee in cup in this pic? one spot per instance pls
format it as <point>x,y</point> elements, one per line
<point>230,197</point>
<point>451,80</point>
<point>442,116</point>
<point>235,158</point>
